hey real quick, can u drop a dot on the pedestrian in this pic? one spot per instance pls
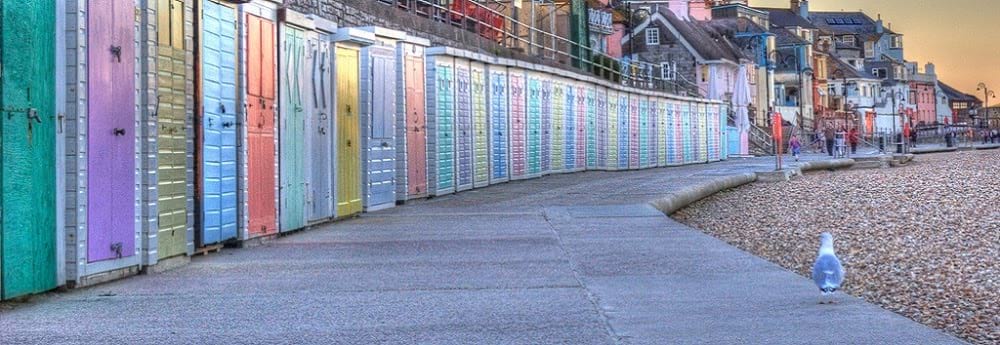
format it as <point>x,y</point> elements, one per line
<point>818,142</point>
<point>853,138</point>
<point>795,146</point>
<point>828,134</point>
<point>841,141</point>
<point>913,138</point>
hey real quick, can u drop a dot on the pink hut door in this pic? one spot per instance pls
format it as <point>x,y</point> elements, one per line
<point>416,127</point>
<point>111,130</point>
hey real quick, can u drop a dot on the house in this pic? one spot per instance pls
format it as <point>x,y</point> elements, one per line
<point>857,37</point>
<point>923,86</point>
<point>793,61</point>
<point>854,94</point>
<point>960,104</point>
<point>748,28</point>
<point>688,53</point>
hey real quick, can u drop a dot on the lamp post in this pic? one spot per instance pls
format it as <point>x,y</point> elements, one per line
<point>896,94</point>
<point>987,92</point>
<point>633,56</point>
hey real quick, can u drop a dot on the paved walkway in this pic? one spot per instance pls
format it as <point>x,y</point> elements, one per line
<point>566,259</point>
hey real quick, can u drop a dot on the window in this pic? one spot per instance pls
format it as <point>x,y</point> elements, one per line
<point>869,49</point>
<point>704,73</point>
<point>896,42</point>
<point>878,72</point>
<point>668,70</point>
<point>849,40</point>
<point>652,36</point>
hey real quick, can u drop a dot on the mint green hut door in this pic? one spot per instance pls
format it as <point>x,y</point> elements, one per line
<point>27,194</point>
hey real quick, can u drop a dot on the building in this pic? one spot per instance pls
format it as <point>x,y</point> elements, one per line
<point>854,94</point>
<point>961,104</point>
<point>692,55</point>
<point>793,63</point>
<point>923,86</point>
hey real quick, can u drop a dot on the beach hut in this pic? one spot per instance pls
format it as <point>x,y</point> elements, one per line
<point>581,118</point>
<point>480,121</point>
<point>319,133</point>
<point>463,124</point>
<point>533,123</point>
<point>643,131</point>
<point>603,110</point>
<point>294,90</point>
<point>624,121</point>
<point>378,118</point>
<point>348,134</point>
<point>260,111</point>
<point>633,130</point>
<point>29,169</point>
<point>411,119</point>
<point>440,91</point>
<point>499,121</point>
<point>556,126</point>
<point>517,82</point>
<point>174,107</point>
<point>104,170</point>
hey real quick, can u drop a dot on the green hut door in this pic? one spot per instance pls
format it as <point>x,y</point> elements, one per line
<point>27,195</point>
<point>171,114</point>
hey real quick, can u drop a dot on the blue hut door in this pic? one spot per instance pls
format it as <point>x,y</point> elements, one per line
<point>218,123</point>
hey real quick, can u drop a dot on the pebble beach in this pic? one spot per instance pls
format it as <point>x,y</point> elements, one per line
<point>921,240</point>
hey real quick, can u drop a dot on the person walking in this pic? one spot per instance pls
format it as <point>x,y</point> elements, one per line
<point>841,142</point>
<point>853,139</point>
<point>828,134</point>
<point>795,146</point>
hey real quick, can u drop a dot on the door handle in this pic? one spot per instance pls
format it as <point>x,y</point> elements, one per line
<point>119,132</point>
<point>117,52</point>
<point>117,248</point>
<point>227,124</point>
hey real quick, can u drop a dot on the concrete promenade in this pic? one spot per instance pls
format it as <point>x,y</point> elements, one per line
<point>565,259</point>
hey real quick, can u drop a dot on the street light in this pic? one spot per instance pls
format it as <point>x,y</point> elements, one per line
<point>631,33</point>
<point>986,100</point>
<point>896,94</point>
<point>785,60</point>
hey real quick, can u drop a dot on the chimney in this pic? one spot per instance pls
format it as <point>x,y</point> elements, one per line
<point>679,8</point>
<point>879,27</point>
<point>801,7</point>
<point>929,69</point>
<point>699,10</point>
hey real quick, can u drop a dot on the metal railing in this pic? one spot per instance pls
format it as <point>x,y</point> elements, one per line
<point>489,20</point>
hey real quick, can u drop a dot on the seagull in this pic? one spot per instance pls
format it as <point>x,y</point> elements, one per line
<point>827,271</point>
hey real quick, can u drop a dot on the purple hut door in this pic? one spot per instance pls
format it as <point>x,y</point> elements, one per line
<point>111,140</point>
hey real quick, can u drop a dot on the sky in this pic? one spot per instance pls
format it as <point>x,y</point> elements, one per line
<point>961,37</point>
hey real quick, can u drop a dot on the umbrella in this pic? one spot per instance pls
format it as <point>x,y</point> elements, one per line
<point>741,103</point>
<point>741,100</point>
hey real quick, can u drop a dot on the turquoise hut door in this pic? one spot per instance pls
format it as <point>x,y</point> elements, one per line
<point>27,172</point>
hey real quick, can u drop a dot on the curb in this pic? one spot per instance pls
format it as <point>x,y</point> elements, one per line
<point>690,194</point>
<point>677,200</point>
<point>933,150</point>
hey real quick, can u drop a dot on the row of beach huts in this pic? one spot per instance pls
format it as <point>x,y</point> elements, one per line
<point>139,133</point>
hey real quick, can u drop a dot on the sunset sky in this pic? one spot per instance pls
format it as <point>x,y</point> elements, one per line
<point>961,37</point>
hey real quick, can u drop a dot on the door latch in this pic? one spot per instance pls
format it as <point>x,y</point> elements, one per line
<point>117,52</point>
<point>227,124</point>
<point>119,132</point>
<point>117,248</point>
<point>222,108</point>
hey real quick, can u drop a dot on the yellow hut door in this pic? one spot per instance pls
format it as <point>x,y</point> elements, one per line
<point>348,133</point>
